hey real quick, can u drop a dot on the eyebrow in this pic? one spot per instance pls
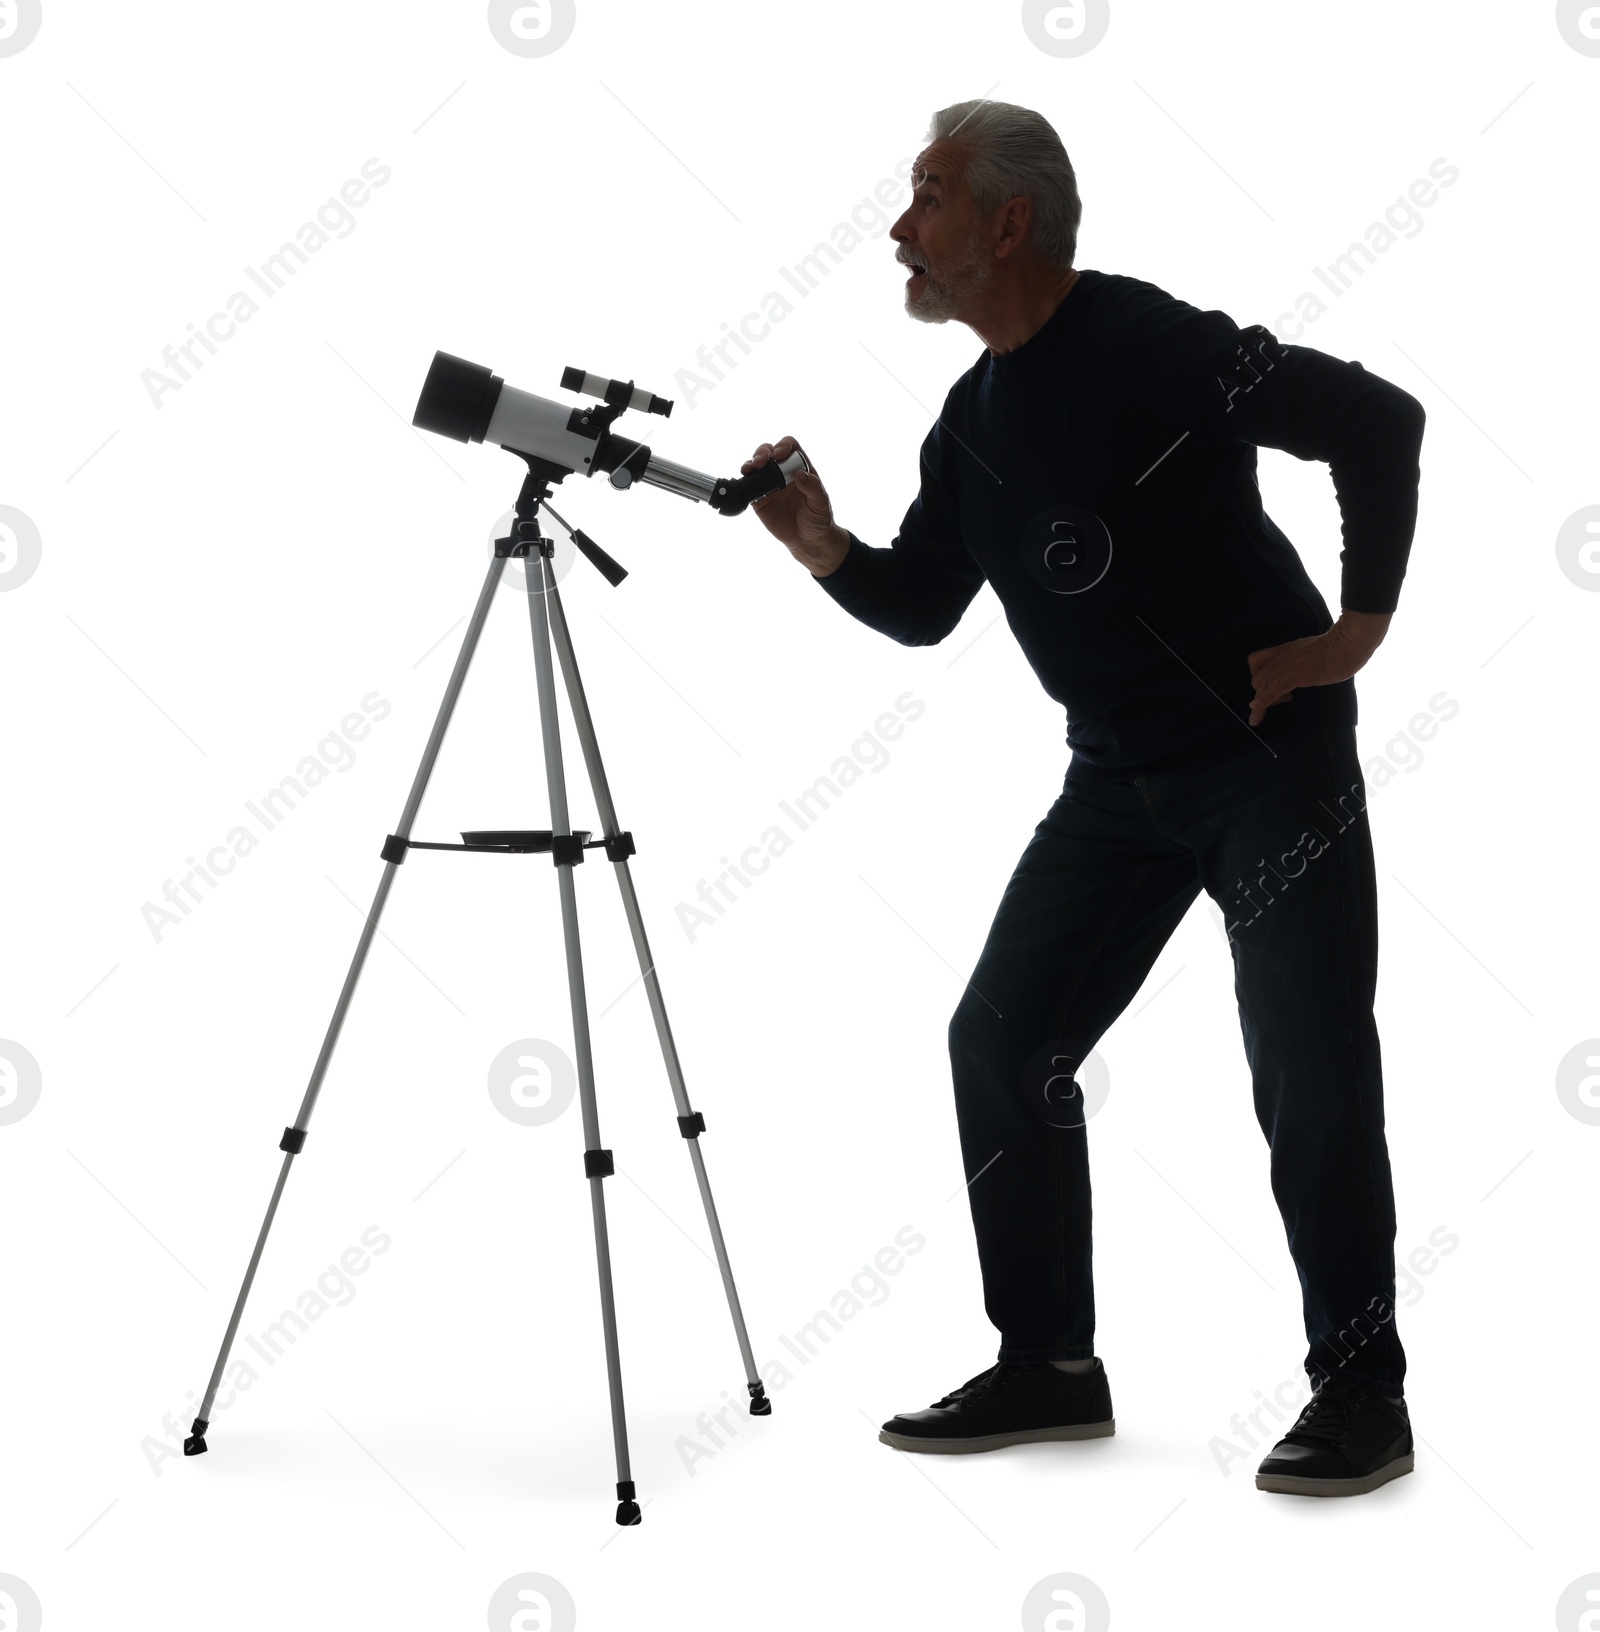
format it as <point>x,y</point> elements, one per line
<point>927,178</point>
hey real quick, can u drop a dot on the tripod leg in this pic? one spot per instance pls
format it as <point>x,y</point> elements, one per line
<point>690,1124</point>
<point>597,1162</point>
<point>294,1138</point>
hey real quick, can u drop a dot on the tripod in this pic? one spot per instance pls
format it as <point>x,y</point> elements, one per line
<point>566,849</point>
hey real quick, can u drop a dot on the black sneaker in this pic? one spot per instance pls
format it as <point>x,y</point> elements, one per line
<point>1347,1441</point>
<point>1009,1405</point>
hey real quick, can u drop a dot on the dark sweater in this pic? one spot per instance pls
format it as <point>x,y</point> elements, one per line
<point>1102,477</point>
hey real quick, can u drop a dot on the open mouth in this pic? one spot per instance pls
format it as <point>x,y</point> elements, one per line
<point>914,271</point>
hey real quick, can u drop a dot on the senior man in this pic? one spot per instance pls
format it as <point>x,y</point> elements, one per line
<point>1096,465</point>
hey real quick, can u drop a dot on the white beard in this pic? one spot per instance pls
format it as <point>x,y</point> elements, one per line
<point>942,298</point>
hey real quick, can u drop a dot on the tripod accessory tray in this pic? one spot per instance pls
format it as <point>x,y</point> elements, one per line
<point>566,849</point>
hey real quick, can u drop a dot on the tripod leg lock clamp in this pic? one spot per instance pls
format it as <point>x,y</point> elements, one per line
<point>293,1140</point>
<point>597,1164</point>
<point>394,848</point>
<point>619,847</point>
<point>692,1126</point>
<point>566,849</point>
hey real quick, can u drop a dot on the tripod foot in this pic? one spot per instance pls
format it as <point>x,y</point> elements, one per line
<point>196,1442</point>
<point>760,1405</point>
<point>627,1508</point>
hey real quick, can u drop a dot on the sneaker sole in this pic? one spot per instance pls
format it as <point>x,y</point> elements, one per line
<point>1285,1484</point>
<point>996,1442</point>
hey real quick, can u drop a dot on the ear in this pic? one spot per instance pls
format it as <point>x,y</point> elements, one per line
<point>1011,224</point>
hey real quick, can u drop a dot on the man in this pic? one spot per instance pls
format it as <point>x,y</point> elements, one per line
<point>1096,465</point>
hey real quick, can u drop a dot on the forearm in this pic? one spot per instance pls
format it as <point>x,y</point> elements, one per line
<point>824,558</point>
<point>915,589</point>
<point>1376,473</point>
<point>1359,634</point>
<point>914,596</point>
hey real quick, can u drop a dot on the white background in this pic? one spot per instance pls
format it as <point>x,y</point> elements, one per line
<point>224,577</point>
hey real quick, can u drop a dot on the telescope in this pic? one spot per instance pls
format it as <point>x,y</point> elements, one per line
<point>468,403</point>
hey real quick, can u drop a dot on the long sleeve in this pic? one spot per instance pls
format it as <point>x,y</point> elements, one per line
<point>1202,373</point>
<point>917,588</point>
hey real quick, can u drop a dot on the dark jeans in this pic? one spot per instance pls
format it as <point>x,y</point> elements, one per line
<point>1280,842</point>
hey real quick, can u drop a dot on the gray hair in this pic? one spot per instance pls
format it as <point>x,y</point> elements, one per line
<point>1013,152</point>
